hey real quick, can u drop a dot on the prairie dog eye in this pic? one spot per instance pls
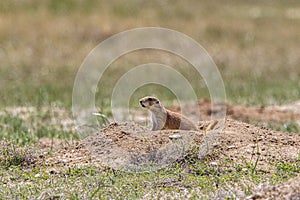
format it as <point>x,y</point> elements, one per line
<point>150,99</point>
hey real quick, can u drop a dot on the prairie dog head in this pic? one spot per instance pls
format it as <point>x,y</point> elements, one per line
<point>151,103</point>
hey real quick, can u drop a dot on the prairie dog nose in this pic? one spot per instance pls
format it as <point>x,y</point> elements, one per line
<point>141,102</point>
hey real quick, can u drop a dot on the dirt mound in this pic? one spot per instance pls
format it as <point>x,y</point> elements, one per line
<point>131,146</point>
<point>239,142</point>
<point>244,143</point>
<point>287,190</point>
<point>121,144</point>
<point>132,137</point>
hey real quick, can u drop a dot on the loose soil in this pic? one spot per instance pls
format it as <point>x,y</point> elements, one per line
<point>284,113</point>
<point>237,142</point>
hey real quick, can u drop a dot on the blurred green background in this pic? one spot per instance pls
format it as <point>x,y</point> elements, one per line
<point>254,43</point>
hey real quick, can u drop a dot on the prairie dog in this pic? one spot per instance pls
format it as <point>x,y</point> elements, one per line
<point>163,118</point>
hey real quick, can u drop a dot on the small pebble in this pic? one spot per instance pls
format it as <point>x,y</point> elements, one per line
<point>249,151</point>
<point>37,175</point>
<point>215,145</point>
<point>232,147</point>
<point>175,136</point>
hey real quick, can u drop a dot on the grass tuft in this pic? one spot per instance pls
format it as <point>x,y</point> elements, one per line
<point>12,155</point>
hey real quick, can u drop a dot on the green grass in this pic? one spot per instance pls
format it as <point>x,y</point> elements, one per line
<point>27,131</point>
<point>257,66</point>
<point>262,91</point>
<point>286,127</point>
<point>11,155</point>
<point>197,177</point>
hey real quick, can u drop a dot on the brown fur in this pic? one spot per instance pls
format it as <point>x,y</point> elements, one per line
<point>165,119</point>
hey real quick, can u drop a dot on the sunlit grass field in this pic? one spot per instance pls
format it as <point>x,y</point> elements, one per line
<point>255,45</point>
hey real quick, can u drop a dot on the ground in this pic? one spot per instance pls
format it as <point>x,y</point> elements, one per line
<point>236,147</point>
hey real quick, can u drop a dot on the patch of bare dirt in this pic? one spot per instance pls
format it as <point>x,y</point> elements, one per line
<point>284,113</point>
<point>128,145</point>
<point>60,154</point>
<point>133,138</point>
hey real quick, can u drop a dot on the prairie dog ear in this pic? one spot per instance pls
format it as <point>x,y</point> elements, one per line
<point>157,101</point>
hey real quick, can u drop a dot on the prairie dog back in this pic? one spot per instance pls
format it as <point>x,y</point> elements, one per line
<point>163,118</point>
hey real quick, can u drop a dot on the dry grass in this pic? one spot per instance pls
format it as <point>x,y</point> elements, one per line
<point>44,43</point>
